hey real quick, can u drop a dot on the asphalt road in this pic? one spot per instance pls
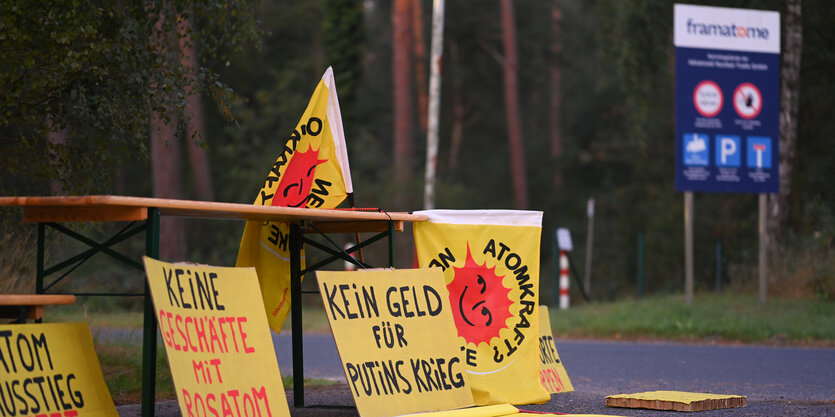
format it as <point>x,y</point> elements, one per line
<point>777,380</point>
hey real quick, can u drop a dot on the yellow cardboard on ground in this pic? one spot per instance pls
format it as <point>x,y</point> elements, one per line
<point>552,373</point>
<point>490,260</point>
<point>676,400</point>
<point>51,369</point>
<point>483,411</point>
<point>217,339</point>
<point>569,415</point>
<point>396,338</point>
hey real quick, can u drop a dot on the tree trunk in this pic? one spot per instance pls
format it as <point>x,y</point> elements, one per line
<point>402,80</point>
<point>166,170</point>
<point>167,183</point>
<point>457,134</point>
<point>420,66</point>
<point>57,138</point>
<point>554,78</point>
<point>198,157</point>
<point>511,94</point>
<point>778,204</point>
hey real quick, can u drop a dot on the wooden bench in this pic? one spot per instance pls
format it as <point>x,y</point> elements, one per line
<point>145,214</point>
<point>20,307</point>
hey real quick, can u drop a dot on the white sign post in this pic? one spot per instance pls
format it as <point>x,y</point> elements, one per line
<point>589,238</point>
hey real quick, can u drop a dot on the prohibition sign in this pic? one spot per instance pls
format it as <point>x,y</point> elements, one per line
<point>748,101</point>
<point>707,97</point>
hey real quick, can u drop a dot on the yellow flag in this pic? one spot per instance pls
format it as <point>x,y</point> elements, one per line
<point>311,171</point>
<point>490,260</point>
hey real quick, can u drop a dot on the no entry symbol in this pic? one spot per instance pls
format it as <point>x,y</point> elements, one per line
<point>748,101</point>
<point>707,97</point>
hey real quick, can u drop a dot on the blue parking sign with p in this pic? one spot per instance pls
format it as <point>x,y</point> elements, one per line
<point>728,151</point>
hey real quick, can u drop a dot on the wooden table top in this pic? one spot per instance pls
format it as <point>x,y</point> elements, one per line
<point>35,299</point>
<point>124,208</point>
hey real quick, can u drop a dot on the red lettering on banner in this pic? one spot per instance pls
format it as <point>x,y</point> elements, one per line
<point>216,363</point>
<point>220,321</point>
<point>161,320</point>
<point>247,349</point>
<point>227,409</point>
<point>281,304</point>
<point>210,398</point>
<point>191,346</point>
<point>200,327</point>
<point>68,413</point>
<point>177,320</point>
<point>234,394</point>
<point>551,379</point>
<point>261,394</point>
<point>187,401</point>
<point>253,403</point>
<point>168,317</point>
<point>213,336</point>
<point>204,334</point>
<point>231,321</point>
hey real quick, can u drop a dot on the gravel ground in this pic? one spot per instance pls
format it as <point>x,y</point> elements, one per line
<point>336,401</point>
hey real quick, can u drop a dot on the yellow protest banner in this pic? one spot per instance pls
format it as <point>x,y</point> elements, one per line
<point>490,260</point>
<point>217,340</point>
<point>51,370</point>
<point>311,171</point>
<point>552,372</point>
<point>395,336</point>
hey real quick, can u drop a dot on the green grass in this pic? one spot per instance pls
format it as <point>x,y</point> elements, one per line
<point>121,364</point>
<point>94,316</point>
<point>723,317</point>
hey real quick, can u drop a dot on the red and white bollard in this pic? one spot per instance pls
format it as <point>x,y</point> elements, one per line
<point>563,280</point>
<point>349,266</point>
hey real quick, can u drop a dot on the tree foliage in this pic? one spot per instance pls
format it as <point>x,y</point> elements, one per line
<point>95,69</point>
<point>91,67</point>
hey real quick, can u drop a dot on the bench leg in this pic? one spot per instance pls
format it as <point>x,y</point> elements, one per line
<point>149,329</point>
<point>296,314</point>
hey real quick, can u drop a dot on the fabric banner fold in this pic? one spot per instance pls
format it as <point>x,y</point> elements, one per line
<point>490,260</point>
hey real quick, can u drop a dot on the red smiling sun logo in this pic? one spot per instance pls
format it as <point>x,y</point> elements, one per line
<point>479,300</point>
<point>294,188</point>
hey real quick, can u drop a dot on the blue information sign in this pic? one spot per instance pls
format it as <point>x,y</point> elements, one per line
<point>727,99</point>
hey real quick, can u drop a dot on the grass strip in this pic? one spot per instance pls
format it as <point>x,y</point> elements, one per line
<point>722,317</point>
<point>121,364</point>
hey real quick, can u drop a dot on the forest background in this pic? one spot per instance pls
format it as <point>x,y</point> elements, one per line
<point>107,98</point>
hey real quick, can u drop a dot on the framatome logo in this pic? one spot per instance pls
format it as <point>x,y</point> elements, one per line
<point>726,31</point>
